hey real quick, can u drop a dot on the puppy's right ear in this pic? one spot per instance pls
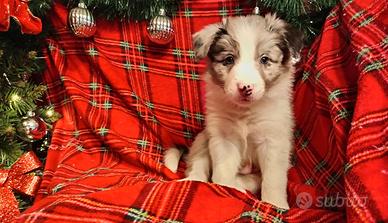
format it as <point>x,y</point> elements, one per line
<point>203,39</point>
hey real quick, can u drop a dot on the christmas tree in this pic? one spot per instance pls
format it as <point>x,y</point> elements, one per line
<point>22,108</point>
<point>25,116</point>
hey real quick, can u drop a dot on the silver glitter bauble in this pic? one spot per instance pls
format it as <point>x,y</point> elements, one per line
<point>160,29</point>
<point>32,128</point>
<point>81,21</point>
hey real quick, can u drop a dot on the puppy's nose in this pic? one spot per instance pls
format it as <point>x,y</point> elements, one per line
<point>245,90</point>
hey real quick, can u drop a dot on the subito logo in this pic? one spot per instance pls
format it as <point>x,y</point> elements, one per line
<point>304,200</point>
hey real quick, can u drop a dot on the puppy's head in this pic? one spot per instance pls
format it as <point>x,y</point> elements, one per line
<point>248,55</point>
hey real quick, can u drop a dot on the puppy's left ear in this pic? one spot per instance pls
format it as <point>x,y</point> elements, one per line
<point>292,38</point>
<point>295,41</point>
<point>203,39</point>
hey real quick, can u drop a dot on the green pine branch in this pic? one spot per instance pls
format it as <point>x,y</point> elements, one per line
<point>20,59</point>
<point>308,16</point>
<point>39,8</point>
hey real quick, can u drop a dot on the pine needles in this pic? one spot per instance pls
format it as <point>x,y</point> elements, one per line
<point>306,15</point>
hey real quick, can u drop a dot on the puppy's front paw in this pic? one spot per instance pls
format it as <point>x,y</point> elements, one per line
<point>193,177</point>
<point>171,159</point>
<point>236,185</point>
<point>274,191</point>
<point>277,201</point>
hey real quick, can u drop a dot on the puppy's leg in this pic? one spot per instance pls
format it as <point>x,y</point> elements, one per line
<point>226,160</point>
<point>250,182</point>
<point>198,160</point>
<point>171,158</point>
<point>274,161</point>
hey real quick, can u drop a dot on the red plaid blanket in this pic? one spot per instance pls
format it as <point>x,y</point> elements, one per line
<point>124,100</point>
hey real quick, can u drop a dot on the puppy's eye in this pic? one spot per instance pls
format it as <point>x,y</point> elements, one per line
<point>264,60</point>
<point>228,60</point>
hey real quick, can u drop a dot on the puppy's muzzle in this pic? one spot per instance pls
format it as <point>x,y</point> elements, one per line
<point>245,90</point>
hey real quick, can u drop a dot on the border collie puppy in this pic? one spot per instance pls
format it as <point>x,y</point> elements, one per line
<point>249,119</point>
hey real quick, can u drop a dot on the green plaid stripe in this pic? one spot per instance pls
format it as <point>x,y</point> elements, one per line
<point>191,54</point>
<point>143,67</point>
<point>80,148</point>
<point>172,221</point>
<point>92,52</point>
<point>297,133</point>
<point>334,95</point>
<point>57,188</point>
<point>198,116</point>
<point>346,3</point>
<point>185,114</point>
<point>142,143</point>
<point>103,131</point>
<point>332,179</point>
<point>366,21</point>
<point>384,42</point>
<point>154,119</point>
<point>51,47</point>
<point>194,75</point>
<point>127,65</point>
<point>140,47</point>
<point>133,94</point>
<point>223,11</point>
<point>107,104</point>
<point>305,144</point>
<point>76,133</point>
<point>363,51</point>
<point>93,103</point>
<point>180,74</point>
<point>107,88</point>
<point>357,15</point>
<point>93,86</point>
<point>376,65</point>
<point>149,105</point>
<point>238,10</point>
<point>276,219</point>
<point>342,114</point>
<point>137,215</point>
<point>188,12</point>
<point>320,166</point>
<point>305,75</point>
<point>347,167</point>
<point>309,182</point>
<point>188,134</point>
<point>255,216</point>
<point>124,44</point>
<point>177,52</point>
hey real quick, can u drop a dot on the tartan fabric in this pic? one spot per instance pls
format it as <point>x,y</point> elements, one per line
<point>124,100</point>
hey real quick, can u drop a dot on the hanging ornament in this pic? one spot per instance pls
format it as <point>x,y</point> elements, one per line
<point>81,21</point>
<point>160,29</point>
<point>256,10</point>
<point>32,128</point>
